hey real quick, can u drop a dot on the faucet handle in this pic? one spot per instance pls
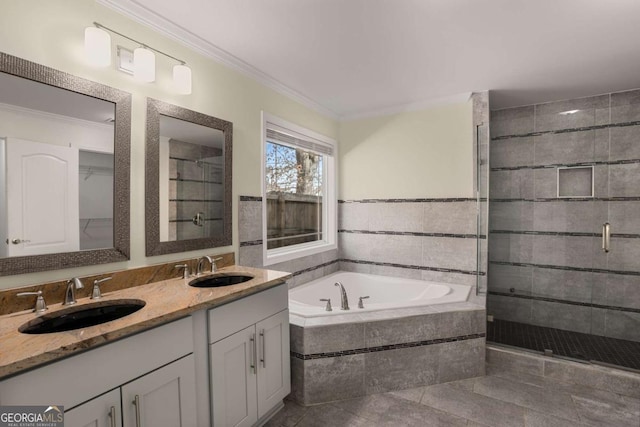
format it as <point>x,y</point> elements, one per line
<point>41,306</point>
<point>360,304</point>
<point>328,300</point>
<point>96,293</point>
<point>185,272</point>
<point>213,264</point>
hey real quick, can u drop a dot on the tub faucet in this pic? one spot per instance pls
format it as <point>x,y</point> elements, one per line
<point>70,294</point>
<point>344,301</point>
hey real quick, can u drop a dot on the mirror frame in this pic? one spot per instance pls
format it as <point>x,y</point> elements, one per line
<point>122,158</point>
<point>154,246</point>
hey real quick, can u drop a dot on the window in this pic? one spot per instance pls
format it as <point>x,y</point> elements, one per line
<point>298,196</point>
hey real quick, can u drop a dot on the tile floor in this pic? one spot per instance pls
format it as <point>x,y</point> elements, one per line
<point>501,398</point>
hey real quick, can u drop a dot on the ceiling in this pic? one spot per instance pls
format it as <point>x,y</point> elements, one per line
<point>352,58</point>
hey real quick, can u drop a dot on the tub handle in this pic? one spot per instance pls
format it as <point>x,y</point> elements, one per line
<point>360,304</point>
<point>328,301</point>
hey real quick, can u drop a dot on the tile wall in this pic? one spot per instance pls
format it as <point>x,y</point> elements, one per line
<point>546,264</point>
<point>250,252</point>
<point>425,239</point>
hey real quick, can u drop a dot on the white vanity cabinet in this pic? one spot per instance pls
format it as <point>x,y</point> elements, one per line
<point>103,411</point>
<point>162,398</point>
<point>155,369</point>
<point>249,358</point>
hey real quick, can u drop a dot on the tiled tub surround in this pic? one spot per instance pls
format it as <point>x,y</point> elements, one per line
<point>428,239</point>
<point>345,356</point>
<point>303,269</point>
<point>547,267</point>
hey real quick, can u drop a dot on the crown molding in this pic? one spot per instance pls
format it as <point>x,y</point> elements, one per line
<point>404,108</point>
<point>148,18</point>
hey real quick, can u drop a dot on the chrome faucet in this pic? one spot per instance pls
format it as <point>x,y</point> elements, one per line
<point>70,294</point>
<point>200,266</point>
<point>344,301</point>
<point>212,263</point>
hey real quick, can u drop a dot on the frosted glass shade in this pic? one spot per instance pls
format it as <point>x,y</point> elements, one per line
<point>182,79</point>
<point>97,47</point>
<point>144,65</point>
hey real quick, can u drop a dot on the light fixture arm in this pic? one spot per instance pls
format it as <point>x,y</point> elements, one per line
<point>146,46</point>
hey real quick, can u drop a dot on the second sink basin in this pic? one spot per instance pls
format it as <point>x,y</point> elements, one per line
<point>82,316</point>
<point>217,280</point>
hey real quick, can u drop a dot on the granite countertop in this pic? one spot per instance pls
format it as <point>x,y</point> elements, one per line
<point>166,300</point>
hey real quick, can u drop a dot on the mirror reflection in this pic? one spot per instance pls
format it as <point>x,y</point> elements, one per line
<point>188,179</point>
<point>191,180</point>
<point>56,169</point>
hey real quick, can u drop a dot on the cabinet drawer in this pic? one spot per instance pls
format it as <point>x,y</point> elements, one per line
<point>237,315</point>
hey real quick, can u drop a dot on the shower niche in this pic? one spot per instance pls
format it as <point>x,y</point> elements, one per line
<point>575,181</point>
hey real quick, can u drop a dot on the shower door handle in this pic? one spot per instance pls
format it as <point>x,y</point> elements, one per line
<point>606,236</point>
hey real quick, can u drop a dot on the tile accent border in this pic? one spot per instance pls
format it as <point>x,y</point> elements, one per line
<point>251,243</point>
<point>315,267</point>
<point>556,165</point>
<point>250,198</point>
<point>562,267</point>
<point>444,200</point>
<point>565,233</point>
<point>580,129</point>
<point>413,267</point>
<point>572,199</point>
<point>567,302</point>
<point>385,347</point>
<point>412,233</point>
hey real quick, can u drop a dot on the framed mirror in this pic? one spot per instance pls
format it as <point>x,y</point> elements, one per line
<point>188,180</point>
<point>64,169</point>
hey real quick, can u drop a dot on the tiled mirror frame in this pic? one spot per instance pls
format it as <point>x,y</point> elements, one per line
<point>154,246</point>
<point>122,153</point>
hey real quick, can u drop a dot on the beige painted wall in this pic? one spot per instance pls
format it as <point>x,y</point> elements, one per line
<point>418,154</point>
<point>50,32</point>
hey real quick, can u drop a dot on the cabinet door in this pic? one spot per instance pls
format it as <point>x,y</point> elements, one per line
<point>274,375</point>
<point>163,398</point>
<point>103,411</point>
<point>233,380</point>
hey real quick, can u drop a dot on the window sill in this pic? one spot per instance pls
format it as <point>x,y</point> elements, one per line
<point>275,256</point>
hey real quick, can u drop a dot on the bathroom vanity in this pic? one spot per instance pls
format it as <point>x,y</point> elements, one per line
<point>191,356</point>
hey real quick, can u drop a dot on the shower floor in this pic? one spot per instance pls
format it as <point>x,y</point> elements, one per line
<point>565,343</point>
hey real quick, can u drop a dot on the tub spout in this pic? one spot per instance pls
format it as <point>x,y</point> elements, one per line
<point>344,301</point>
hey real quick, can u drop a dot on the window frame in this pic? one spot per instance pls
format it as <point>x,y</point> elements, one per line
<point>330,202</point>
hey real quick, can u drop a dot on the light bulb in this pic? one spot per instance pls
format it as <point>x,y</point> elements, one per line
<point>182,79</point>
<point>144,65</point>
<point>97,46</point>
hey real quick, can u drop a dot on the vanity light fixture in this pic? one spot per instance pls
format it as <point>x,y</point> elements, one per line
<point>144,59</point>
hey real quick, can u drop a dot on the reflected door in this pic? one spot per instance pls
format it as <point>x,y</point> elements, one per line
<point>42,183</point>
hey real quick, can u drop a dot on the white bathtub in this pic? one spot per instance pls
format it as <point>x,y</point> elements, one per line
<point>384,293</point>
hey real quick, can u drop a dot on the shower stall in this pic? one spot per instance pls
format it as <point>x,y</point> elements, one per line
<point>564,229</point>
